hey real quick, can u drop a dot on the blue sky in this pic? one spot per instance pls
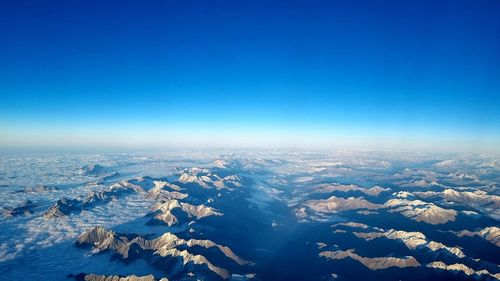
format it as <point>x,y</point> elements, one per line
<point>387,74</point>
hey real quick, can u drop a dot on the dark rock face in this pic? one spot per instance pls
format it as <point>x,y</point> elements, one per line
<point>63,207</point>
<point>24,209</point>
<point>92,169</point>
<point>314,218</point>
<point>106,196</point>
<point>38,189</point>
<point>167,247</point>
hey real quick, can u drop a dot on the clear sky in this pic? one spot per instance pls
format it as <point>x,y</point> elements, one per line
<point>376,74</point>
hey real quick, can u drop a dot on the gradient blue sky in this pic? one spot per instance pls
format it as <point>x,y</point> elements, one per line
<point>388,74</point>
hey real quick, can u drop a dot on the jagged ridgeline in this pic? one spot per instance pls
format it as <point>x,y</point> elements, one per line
<point>178,203</point>
<point>252,216</point>
<point>168,251</point>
